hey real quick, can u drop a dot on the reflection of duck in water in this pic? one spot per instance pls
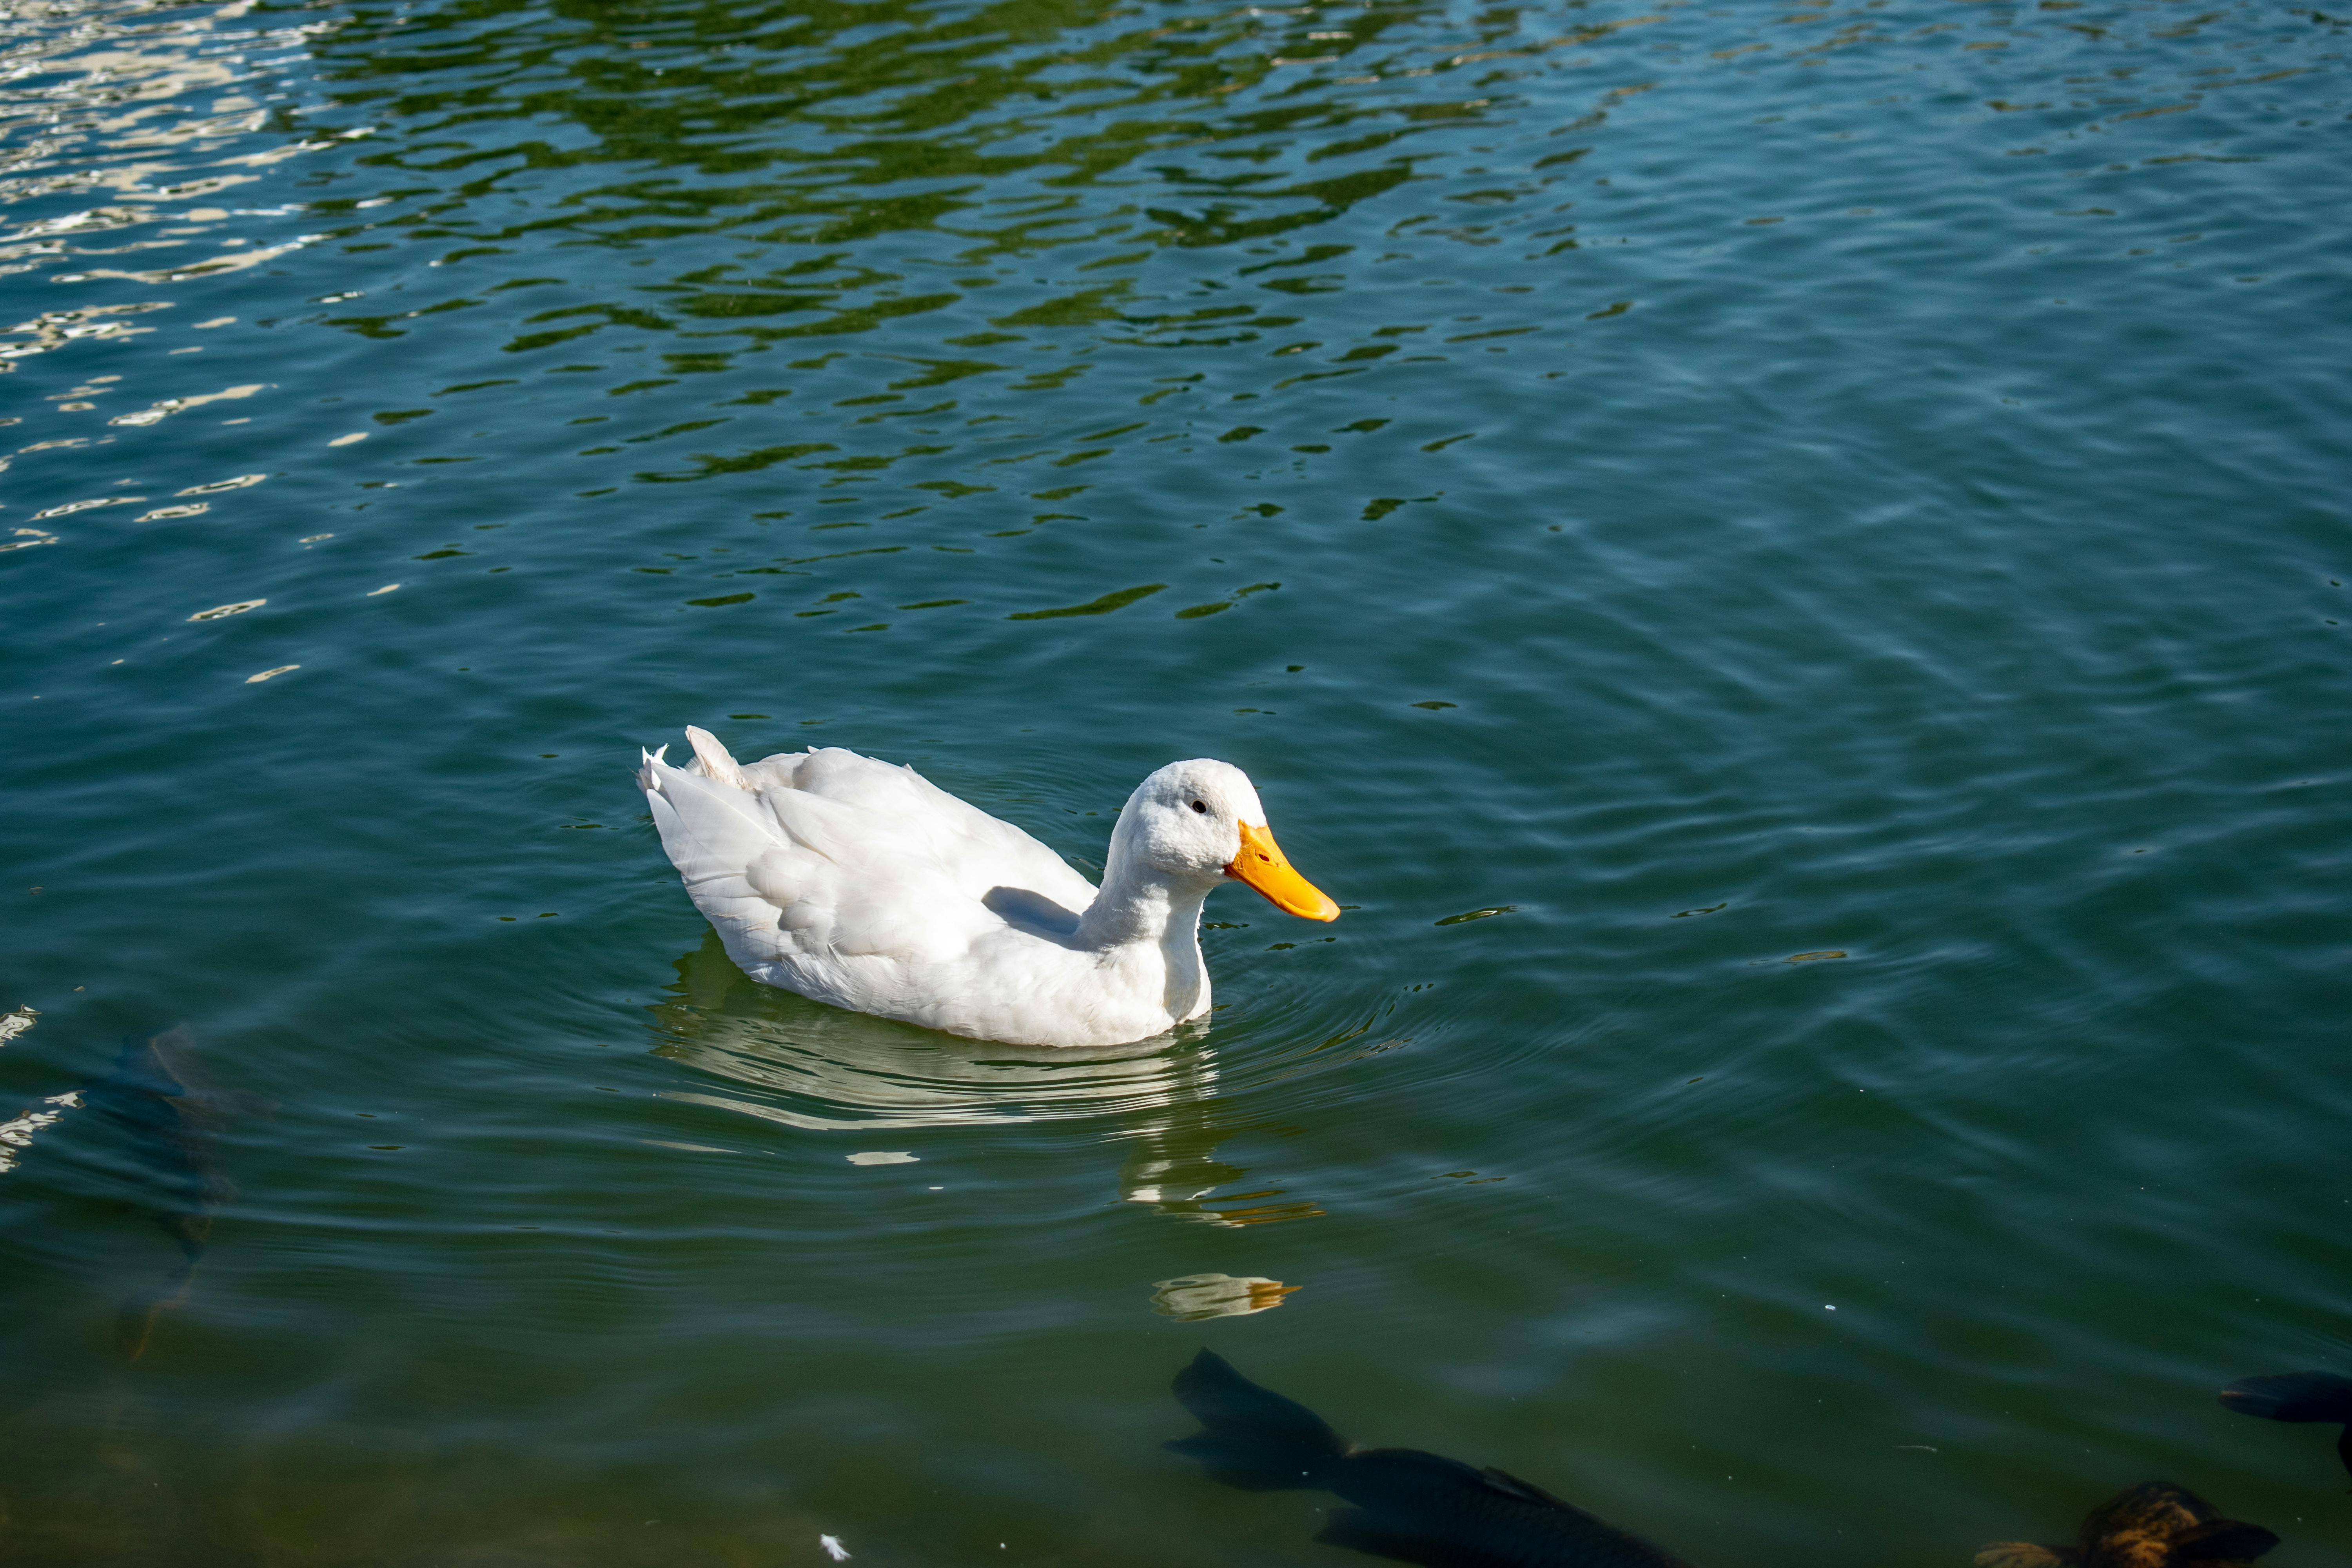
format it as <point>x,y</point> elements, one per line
<point>827,1071</point>
<point>1193,1298</point>
<point>2298,1397</point>
<point>1409,1507</point>
<point>818,1068</point>
<point>2152,1525</point>
<point>1171,1166</point>
<point>864,886</point>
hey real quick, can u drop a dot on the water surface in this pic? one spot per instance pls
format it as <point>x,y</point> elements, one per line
<point>1823,529</point>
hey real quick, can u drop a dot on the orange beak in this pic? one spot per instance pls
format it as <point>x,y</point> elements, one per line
<point>1260,863</point>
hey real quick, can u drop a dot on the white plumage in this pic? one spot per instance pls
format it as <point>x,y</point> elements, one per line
<point>865,886</point>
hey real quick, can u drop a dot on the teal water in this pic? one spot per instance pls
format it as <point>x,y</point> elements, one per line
<point>1698,486</point>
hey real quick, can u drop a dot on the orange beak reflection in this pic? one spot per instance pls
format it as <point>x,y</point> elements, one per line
<point>1260,863</point>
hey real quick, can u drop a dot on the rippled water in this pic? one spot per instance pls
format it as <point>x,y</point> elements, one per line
<point>1822,527</point>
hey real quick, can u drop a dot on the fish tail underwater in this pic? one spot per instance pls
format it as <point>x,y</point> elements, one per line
<point>1253,1437</point>
<point>2298,1397</point>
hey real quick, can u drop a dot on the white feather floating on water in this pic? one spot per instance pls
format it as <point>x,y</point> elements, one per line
<point>834,1548</point>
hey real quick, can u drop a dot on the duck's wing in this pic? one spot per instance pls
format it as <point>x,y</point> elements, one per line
<point>839,869</point>
<point>979,851</point>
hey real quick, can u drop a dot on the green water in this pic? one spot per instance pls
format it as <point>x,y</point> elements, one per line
<point>1703,486</point>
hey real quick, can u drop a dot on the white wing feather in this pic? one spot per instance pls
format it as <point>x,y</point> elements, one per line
<point>842,873</point>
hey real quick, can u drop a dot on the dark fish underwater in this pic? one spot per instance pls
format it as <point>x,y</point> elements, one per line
<point>2152,1525</point>
<point>2298,1397</point>
<point>1408,1506</point>
<point>157,1100</point>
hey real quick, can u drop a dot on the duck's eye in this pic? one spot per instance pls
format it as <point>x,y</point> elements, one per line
<point>1199,807</point>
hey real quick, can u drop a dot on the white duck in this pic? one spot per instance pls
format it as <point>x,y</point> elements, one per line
<point>865,885</point>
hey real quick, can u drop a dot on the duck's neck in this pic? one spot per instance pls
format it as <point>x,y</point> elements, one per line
<point>1139,904</point>
<point>1148,909</point>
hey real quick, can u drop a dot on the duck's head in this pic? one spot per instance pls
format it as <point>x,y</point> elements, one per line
<point>1201,819</point>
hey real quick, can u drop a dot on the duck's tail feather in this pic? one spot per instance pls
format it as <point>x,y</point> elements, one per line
<point>647,780</point>
<point>2292,1396</point>
<point>1253,1437</point>
<point>712,832</point>
<point>718,763</point>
